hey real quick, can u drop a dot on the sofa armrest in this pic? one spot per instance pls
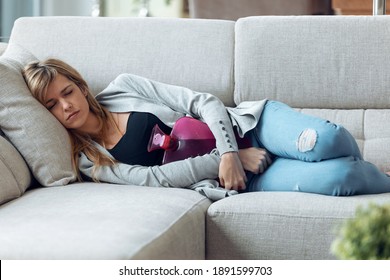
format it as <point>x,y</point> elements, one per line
<point>3,46</point>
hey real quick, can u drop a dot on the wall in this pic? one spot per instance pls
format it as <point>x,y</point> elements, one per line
<point>10,10</point>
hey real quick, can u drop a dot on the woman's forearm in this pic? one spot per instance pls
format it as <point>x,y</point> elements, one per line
<point>179,174</point>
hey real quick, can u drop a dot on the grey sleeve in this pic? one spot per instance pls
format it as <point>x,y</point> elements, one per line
<point>179,174</point>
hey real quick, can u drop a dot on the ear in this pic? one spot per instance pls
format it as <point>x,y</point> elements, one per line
<point>84,91</point>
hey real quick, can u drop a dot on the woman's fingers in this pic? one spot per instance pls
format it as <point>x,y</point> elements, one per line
<point>255,160</point>
<point>231,173</point>
<point>265,161</point>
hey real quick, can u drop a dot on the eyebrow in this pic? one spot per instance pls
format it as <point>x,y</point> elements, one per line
<point>62,91</point>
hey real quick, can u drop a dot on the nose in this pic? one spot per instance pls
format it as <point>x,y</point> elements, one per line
<point>66,105</point>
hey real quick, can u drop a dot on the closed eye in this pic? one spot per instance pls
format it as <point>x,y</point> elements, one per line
<point>68,92</point>
<point>51,105</point>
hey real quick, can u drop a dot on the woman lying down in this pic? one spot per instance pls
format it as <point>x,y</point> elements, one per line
<point>259,146</point>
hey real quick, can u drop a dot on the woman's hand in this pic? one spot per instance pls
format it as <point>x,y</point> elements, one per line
<point>231,172</point>
<point>255,160</point>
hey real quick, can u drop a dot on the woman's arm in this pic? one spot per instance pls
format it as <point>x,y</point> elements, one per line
<point>179,174</point>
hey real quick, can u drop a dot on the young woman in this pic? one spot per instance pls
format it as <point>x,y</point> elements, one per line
<point>109,134</point>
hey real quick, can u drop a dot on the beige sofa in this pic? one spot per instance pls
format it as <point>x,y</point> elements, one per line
<point>333,67</point>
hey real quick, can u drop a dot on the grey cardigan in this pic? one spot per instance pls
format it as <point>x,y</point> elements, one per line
<point>130,93</point>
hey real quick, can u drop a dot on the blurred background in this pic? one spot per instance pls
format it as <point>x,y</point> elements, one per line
<point>211,9</point>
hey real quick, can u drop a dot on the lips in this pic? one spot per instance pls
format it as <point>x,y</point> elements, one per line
<point>72,115</point>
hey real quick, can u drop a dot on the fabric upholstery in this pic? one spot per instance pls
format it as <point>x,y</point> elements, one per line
<point>186,55</point>
<point>38,136</point>
<point>15,176</point>
<point>314,62</point>
<point>278,225</point>
<point>102,221</point>
<point>377,138</point>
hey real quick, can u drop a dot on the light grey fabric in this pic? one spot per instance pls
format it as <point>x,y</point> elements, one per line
<point>197,54</point>
<point>101,221</point>
<point>15,176</point>
<point>314,62</point>
<point>212,190</point>
<point>377,138</point>
<point>278,225</point>
<point>37,135</point>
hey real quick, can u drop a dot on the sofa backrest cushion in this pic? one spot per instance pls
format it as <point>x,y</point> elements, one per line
<point>15,176</point>
<point>38,136</point>
<point>197,54</point>
<point>332,67</point>
<point>314,62</point>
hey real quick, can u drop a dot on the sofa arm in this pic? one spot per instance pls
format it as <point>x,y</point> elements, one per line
<point>3,46</point>
<point>15,176</point>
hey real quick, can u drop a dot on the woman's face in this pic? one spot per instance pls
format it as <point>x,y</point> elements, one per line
<point>67,103</point>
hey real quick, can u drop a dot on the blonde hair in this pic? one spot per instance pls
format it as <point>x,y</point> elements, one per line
<point>38,75</point>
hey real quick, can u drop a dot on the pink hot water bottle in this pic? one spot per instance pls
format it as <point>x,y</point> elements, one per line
<point>189,138</point>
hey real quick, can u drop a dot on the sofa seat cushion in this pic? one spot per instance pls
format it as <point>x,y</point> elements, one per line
<point>278,225</point>
<point>104,221</point>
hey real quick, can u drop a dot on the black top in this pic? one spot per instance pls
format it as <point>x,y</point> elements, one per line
<point>132,147</point>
